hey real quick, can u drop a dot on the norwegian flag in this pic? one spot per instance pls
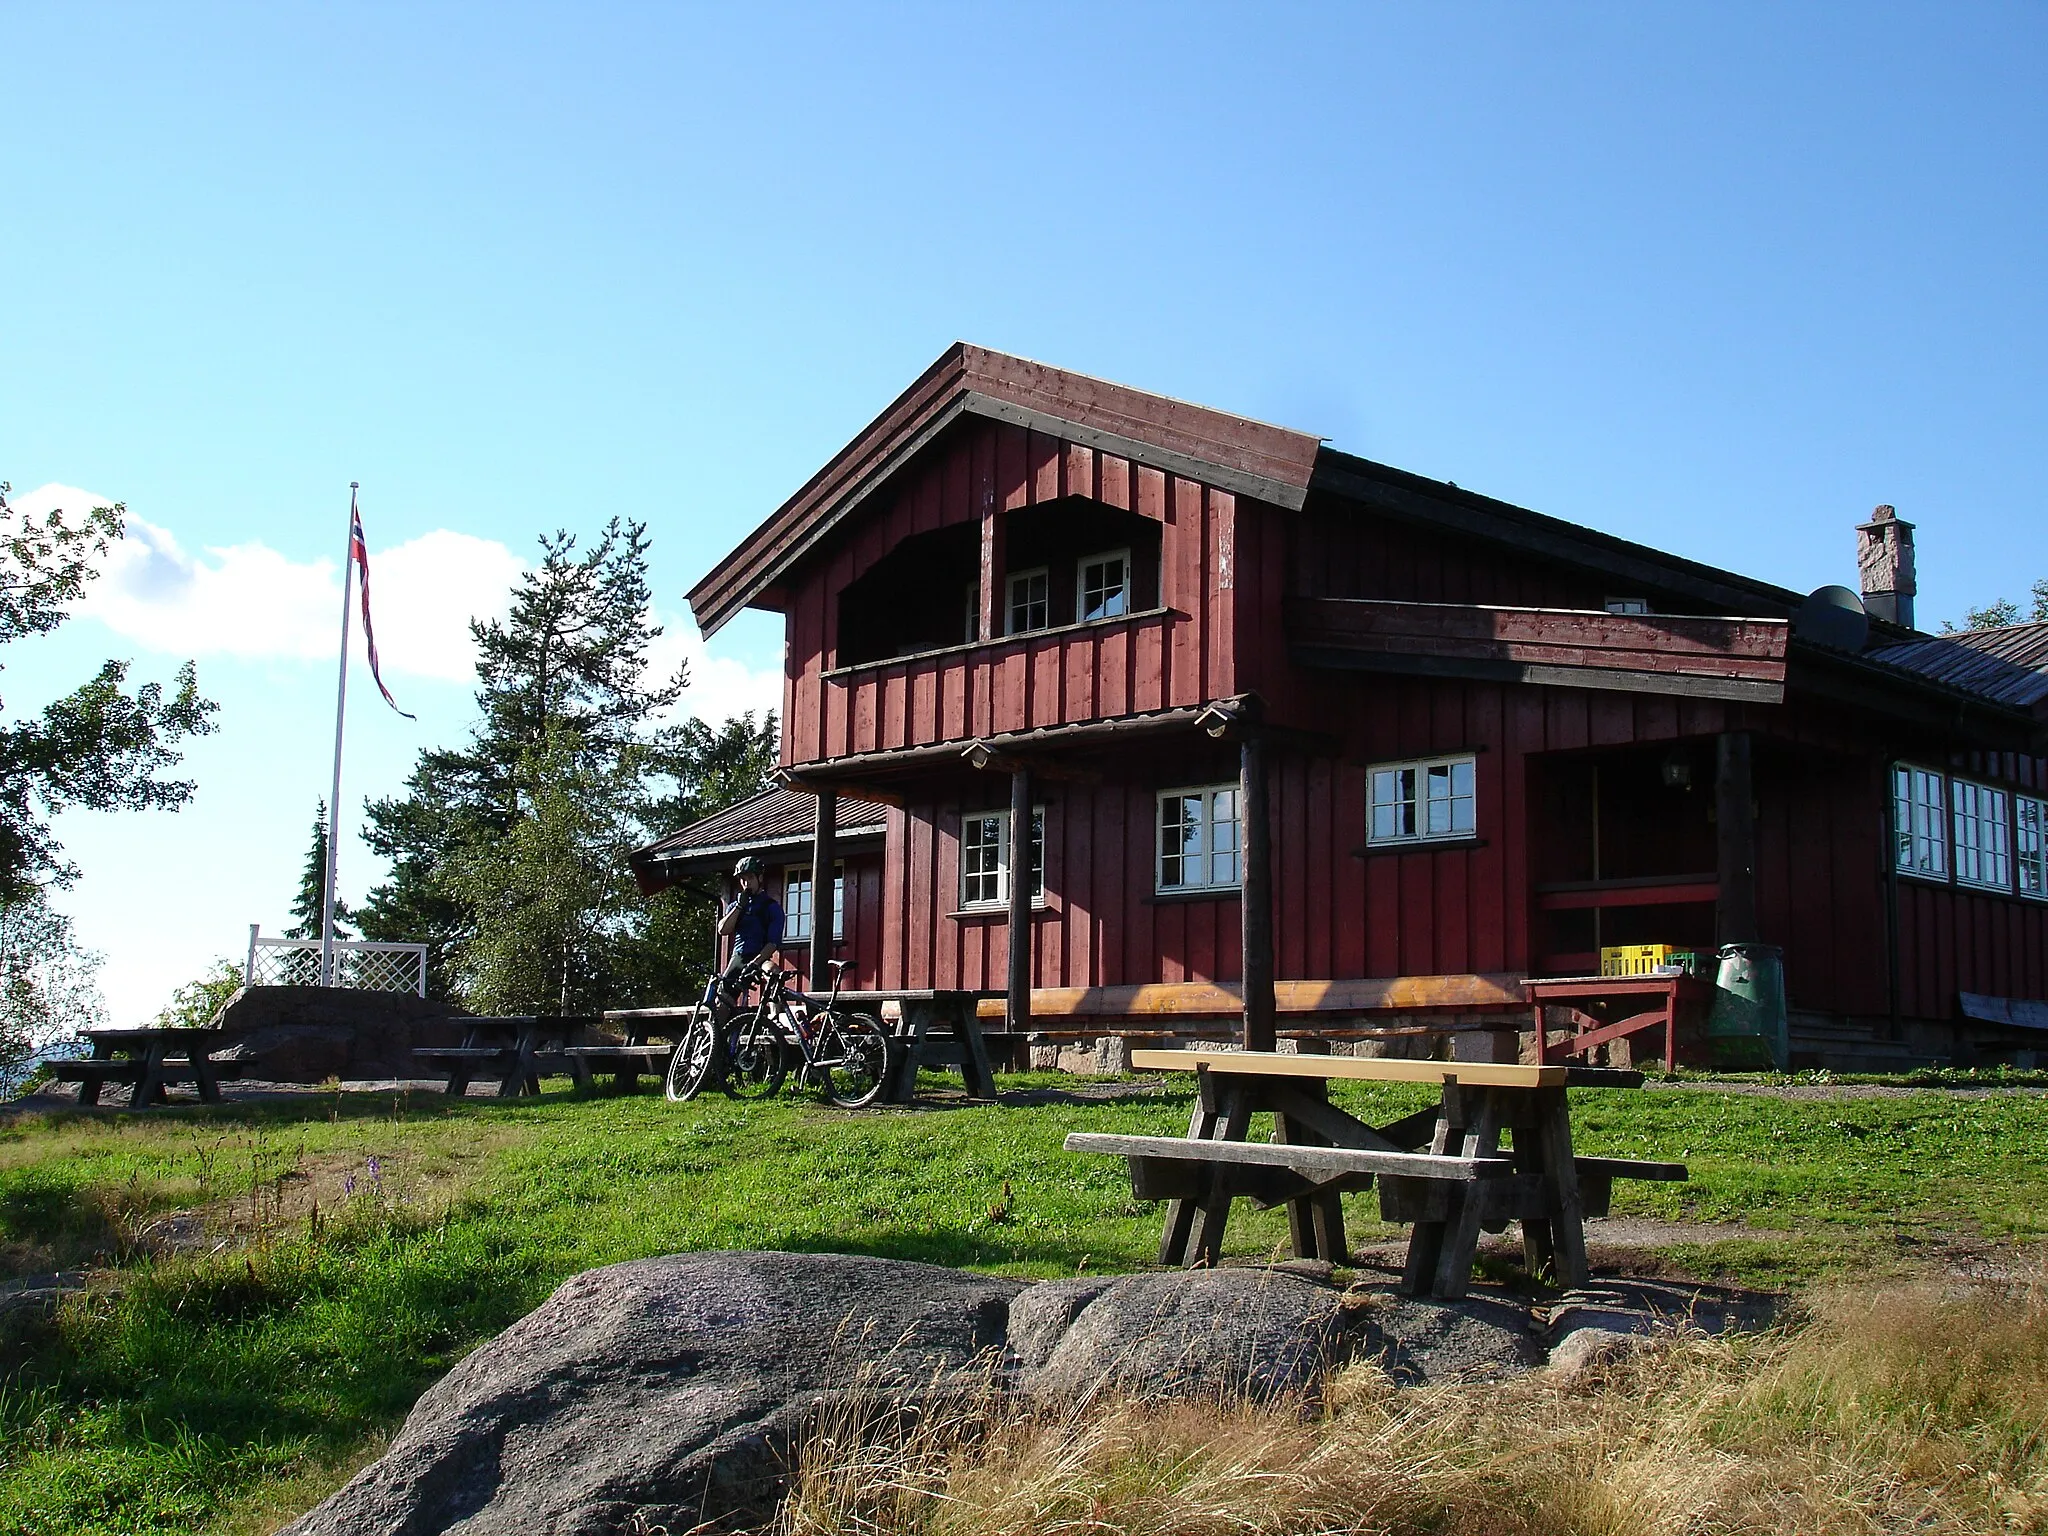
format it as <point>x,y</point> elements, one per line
<point>360,553</point>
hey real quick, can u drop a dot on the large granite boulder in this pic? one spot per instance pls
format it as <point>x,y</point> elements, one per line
<point>669,1391</point>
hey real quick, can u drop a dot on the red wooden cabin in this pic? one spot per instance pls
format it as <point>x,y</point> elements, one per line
<point>1287,736</point>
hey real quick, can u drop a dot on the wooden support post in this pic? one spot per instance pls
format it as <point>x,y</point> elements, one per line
<point>1255,838</point>
<point>824,853</point>
<point>989,620</point>
<point>1019,1009</point>
<point>1735,842</point>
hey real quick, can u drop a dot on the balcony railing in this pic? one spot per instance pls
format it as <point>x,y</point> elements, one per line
<point>359,964</point>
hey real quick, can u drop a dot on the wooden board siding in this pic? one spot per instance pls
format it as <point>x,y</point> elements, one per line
<point>1181,656</point>
<point>1956,939</point>
<point>1346,911</point>
<point>1229,569</point>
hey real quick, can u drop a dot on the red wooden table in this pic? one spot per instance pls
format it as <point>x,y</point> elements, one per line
<point>1608,1008</point>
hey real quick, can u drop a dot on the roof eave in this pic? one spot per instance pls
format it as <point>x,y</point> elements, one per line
<point>1233,453</point>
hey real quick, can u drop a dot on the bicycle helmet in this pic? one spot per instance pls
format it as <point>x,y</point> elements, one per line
<point>751,864</point>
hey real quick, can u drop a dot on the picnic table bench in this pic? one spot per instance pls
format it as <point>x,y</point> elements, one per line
<point>937,1028</point>
<point>1441,1169</point>
<point>624,1063</point>
<point>517,1049</point>
<point>151,1059</point>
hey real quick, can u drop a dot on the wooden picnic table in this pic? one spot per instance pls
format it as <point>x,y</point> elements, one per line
<point>151,1059</point>
<point>1441,1169</point>
<point>624,1063</point>
<point>937,1028</point>
<point>518,1049</point>
<point>1605,1009</point>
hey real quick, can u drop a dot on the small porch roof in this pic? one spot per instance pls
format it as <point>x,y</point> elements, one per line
<point>777,824</point>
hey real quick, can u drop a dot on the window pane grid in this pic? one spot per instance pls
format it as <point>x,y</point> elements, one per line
<point>1423,801</point>
<point>1922,822</point>
<point>985,858</point>
<point>1198,839</point>
<point>1030,601</point>
<point>1982,856</point>
<point>1105,586</point>
<point>2030,851</point>
<point>796,904</point>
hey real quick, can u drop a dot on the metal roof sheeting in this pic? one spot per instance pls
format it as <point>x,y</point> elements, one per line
<point>2008,664</point>
<point>771,817</point>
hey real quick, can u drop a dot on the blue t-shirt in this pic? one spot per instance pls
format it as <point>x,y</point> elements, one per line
<point>760,926</point>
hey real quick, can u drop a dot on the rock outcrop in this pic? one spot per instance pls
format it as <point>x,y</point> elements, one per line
<point>669,1392</point>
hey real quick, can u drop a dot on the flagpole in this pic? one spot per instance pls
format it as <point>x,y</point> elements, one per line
<point>348,569</point>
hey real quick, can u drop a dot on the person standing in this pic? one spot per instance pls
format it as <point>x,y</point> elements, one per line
<point>754,924</point>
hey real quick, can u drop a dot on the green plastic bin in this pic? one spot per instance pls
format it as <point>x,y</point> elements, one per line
<point>1747,1028</point>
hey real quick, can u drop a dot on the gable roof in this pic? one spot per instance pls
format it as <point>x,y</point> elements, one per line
<point>1286,468</point>
<point>1233,453</point>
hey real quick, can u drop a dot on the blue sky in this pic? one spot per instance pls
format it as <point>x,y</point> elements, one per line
<point>1719,278</point>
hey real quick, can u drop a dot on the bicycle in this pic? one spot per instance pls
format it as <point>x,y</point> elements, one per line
<point>848,1056</point>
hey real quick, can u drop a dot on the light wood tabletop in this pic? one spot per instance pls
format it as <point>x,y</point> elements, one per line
<point>1380,1069</point>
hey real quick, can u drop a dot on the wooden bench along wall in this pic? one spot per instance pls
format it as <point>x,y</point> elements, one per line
<point>1201,999</point>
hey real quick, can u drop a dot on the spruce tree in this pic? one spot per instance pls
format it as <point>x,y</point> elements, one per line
<point>507,855</point>
<point>307,905</point>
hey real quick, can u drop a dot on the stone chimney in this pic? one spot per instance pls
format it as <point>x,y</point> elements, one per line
<point>1884,559</point>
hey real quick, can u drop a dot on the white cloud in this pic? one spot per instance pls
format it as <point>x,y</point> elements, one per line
<point>248,600</point>
<point>425,591</point>
<point>720,686</point>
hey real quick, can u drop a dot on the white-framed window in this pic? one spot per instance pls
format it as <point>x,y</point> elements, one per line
<point>797,908</point>
<point>1030,600</point>
<point>1102,586</point>
<point>1983,848</point>
<point>1921,819</point>
<point>1199,839</point>
<point>985,857</point>
<point>1628,605</point>
<point>2030,845</point>
<point>1423,801</point>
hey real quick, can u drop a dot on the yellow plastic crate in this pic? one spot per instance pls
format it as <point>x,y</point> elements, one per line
<point>1635,959</point>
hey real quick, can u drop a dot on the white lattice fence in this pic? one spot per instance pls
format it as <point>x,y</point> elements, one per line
<point>358,963</point>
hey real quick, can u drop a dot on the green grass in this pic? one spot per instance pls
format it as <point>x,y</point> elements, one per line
<point>188,1390</point>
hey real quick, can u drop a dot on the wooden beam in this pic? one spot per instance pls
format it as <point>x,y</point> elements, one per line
<point>1603,896</point>
<point>824,853</point>
<point>1202,999</point>
<point>844,773</point>
<point>1656,653</point>
<point>1255,912</point>
<point>1480,670</point>
<point>983,757</point>
<point>1019,994</point>
<point>1734,840</point>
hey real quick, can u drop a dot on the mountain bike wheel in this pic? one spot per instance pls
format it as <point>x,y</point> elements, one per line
<point>689,1069</point>
<point>756,1065</point>
<point>854,1055</point>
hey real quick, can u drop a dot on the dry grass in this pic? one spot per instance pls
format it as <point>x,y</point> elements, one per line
<point>1918,1409</point>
